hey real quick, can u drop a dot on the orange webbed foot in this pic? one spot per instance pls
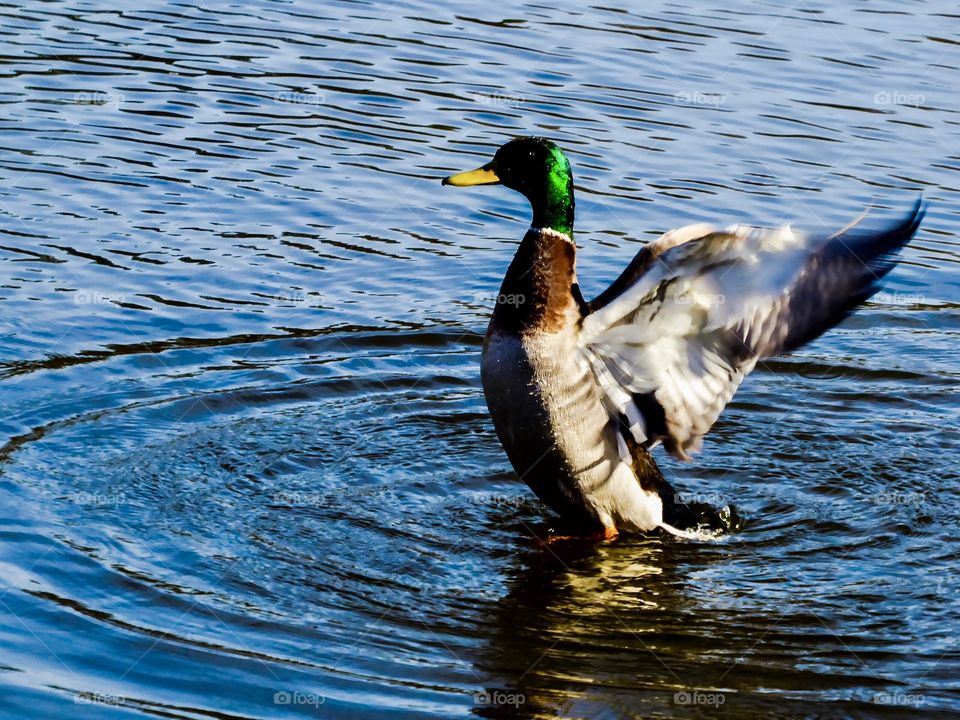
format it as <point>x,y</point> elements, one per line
<point>607,534</point>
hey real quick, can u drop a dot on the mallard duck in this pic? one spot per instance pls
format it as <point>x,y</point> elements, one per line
<point>581,392</point>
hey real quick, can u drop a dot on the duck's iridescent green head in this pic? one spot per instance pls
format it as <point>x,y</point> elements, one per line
<point>537,168</point>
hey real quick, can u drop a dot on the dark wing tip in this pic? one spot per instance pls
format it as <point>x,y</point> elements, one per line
<point>900,232</point>
<point>898,235</point>
<point>877,249</point>
<point>845,272</point>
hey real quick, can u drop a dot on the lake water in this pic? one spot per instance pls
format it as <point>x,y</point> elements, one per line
<point>246,467</point>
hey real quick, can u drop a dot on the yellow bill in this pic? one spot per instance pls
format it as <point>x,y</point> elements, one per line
<point>481,176</point>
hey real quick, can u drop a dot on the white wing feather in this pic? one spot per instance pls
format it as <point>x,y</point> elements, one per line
<point>672,348</point>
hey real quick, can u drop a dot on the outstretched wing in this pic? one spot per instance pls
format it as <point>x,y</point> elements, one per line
<point>672,339</point>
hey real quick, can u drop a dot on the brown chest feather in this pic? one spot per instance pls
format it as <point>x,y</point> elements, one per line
<point>538,292</point>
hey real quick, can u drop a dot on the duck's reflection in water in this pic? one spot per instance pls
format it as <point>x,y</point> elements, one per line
<point>632,628</point>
